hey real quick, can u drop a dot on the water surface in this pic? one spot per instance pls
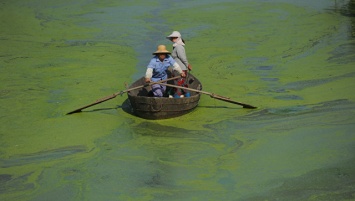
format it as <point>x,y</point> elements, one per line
<point>292,59</point>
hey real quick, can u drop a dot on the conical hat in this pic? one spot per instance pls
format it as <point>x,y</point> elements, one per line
<point>161,49</point>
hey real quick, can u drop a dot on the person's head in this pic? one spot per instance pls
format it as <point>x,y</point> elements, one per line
<point>161,52</point>
<point>175,36</point>
<point>161,56</point>
<point>173,39</point>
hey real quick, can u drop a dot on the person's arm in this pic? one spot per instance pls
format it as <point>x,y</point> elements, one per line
<point>177,68</point>
<point>148,74</point>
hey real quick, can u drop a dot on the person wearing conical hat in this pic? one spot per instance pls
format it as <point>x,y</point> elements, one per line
<point>157,69</point>
<point>179,55</point>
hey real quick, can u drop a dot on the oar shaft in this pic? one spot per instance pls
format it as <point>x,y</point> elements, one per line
<point>211,95</point>
<point>120,93</point>
<point>95,103</point>
<point>185,88</point>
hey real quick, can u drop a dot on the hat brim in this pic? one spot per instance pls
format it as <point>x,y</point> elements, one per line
<point>168,37</point>
<point>161,53</point>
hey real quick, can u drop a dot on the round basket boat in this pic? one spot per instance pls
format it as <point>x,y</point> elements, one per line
<point>148,107</point>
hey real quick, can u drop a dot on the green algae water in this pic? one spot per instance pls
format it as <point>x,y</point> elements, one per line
<point>294,60</point>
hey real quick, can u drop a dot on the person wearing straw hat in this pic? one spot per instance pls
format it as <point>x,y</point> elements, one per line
<point>179,55</point>
<point>157,69</point>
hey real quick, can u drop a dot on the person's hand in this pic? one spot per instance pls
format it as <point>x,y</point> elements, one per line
<point>189,67</point>
<point>147,79</point>
<point>183,74</point>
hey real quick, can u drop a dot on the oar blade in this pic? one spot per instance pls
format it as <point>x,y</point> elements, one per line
<point>249,106</point>
<point>74,111</point>
<point>226,99</point>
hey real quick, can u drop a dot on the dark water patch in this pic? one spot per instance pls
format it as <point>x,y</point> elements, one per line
<point>4,38</point>
<point>56,64</point>
<point>220,135</point>
<point>330,183</point>
<point>264,68</point>
<point>4,92</point>
<point>347,9</point>
<point>41,156</point>
<point>5,177</point>
<point>44,18</point>
<point>343,54</point>
<point>251,45</point>
<point>63,182</point>
<point>71,174</point>
<point>228,181</point>
<point>9,183</point>
<point>216,134</point>
<point>266,73</point>
<point>289,110</point>
<point>217,107</point>
<point>289,97</point>
<point>278,90</point>
<point>155,180</point>
<point>37,89</point>
<point>315,82</point>
<point>15,59</point>
<point>269,79</point>
<point>157,130</point>
<point>64,192</point>
<point>80,43</point>
<point>255,61</point>
<point>276,113</point>
<point>57,96</point>
<point>308,49</point>
<point>281,112</point>
<point>335,105</point>
<point>299,51</point>
<point>175,136</point>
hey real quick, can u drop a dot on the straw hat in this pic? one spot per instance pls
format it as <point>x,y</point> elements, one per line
<point>174,34</point>
<point>161,49</point>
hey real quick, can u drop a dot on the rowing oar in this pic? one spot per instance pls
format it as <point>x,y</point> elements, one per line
<point>212,95</point>
<point>119,93</point>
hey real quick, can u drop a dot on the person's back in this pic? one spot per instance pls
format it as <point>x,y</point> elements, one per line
<point>179,55</point>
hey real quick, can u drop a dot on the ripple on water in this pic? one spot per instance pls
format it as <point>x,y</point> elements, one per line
<point>316,82</point>
<point>289,97</point>
<point>9,183</point>
<point>321,184</point>
<point>41,156</point>
<point>281,112</point>
<point>264,68</point>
